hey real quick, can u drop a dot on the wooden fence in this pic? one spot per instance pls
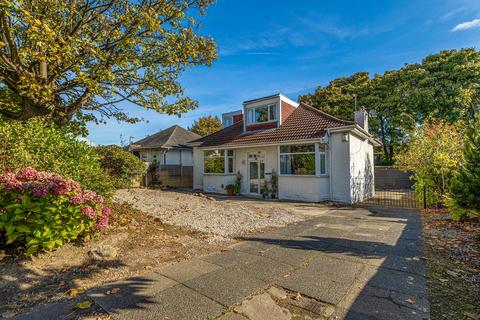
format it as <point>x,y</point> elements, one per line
<point>170,176</point>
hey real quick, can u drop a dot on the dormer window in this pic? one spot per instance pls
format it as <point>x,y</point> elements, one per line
<point>262,114</point>
<point>227,121</point>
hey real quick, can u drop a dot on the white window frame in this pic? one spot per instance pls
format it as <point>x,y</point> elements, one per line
<point>318,160</point>
<point>268,106</point>
<point>280,154</point>
<point>225,157</point>
<point>318,155</point>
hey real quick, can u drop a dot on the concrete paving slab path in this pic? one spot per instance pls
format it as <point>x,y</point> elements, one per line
<point>354,263</point>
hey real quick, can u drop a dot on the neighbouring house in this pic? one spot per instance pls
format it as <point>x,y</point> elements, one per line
<point>313,156</point>
<point>169,158</point>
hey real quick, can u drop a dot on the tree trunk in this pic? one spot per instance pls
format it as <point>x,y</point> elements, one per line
<point>383,137</point>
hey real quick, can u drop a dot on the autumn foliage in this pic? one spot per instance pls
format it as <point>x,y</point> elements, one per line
<point>433,155</point>
<point>206,125</point>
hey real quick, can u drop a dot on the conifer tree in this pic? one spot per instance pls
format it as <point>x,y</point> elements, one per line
<point>464,197</point>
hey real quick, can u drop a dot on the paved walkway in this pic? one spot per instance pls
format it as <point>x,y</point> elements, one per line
<point>345,264</point>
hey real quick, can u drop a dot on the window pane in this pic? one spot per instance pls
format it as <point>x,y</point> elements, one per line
<point>297,164</point>
<point>297,148</point>
<point>253,174</point>
<point>227,121</point>
<point>321,148</point>
<point>214,165</point>
<point>261,114</point>
<point>230,165</point>
<point>323,164</point>
<point>230,153</point>
<point>273,112</point>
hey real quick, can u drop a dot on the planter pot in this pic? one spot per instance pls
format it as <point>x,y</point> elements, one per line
<point>230,192</point>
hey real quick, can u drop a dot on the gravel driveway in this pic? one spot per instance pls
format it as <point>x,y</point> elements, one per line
<point>221,218</point>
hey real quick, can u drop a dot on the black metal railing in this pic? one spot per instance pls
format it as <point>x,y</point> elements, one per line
<point>394,198</point>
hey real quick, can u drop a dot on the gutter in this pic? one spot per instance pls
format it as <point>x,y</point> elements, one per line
<point>261,144</point>
<point>355,128</point>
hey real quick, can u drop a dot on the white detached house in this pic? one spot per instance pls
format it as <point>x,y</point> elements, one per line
<point>316,156</point>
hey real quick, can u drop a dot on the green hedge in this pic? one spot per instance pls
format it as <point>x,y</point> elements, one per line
<point>122,166</point>
<point>46,148</point>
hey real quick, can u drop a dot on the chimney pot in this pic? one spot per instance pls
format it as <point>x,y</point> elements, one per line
<point>361,118</point>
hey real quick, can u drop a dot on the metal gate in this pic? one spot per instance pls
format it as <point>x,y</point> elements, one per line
<point>393,188</point>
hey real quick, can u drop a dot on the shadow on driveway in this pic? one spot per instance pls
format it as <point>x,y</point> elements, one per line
<point>376,256</point>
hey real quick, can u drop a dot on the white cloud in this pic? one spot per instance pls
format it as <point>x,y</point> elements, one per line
<point>87,141</point>
<point>475,23</point>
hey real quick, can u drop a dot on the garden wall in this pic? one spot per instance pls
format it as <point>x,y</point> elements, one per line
<point>390,178</point>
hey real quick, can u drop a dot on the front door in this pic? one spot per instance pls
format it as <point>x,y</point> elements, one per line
<point>256,172</point>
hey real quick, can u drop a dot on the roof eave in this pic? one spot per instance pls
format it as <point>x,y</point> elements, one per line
<point>359,131</point>
<point>273,143</point>
<point>194,144</point>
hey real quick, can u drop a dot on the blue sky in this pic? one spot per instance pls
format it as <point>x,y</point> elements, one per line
<point>292,46</point>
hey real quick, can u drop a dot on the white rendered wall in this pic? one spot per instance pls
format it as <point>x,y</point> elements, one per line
<point>303,188</point>
<point>340,168</point>
<point>187,158</point>
<point>197,168</point>
<point>172,157</point>
<point>361,169</point>
<point>216,183</point>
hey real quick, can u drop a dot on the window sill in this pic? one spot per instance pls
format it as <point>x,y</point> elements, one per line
<point>218,174</point>
<point>255,123</point>
<point>305,175</point>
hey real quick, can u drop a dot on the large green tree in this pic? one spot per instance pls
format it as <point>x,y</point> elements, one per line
<point>61,59</point>
<point>206,125</point>
<point>445,86</point>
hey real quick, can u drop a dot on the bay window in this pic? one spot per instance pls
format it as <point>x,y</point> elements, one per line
<point>262,114</point>
<point>303,159</point>
<point>218,161</point>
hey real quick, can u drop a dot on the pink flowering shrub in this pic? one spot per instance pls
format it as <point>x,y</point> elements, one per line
<point>43,210</point>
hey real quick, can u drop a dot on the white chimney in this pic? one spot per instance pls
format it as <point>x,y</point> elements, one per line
<point>361,118</point>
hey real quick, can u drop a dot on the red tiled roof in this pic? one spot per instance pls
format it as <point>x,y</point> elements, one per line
<point>304,123</point>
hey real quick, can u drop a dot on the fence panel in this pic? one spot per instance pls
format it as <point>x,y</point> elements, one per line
<point>171,176</point>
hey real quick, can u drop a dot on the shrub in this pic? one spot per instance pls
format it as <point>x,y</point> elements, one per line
<point>46,148</point>
<point>464,197</point>
<point>121,165</point>
<point>432,155</point>
<point>42,210</point>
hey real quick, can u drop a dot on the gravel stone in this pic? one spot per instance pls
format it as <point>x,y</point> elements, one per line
<point>104,252</point>
<point>223,220</point>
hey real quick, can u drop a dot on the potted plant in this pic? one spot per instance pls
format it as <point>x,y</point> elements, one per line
<point>264,189</point>
<point>238,184</point>
<point>274,184</point>
<point>230,189</point>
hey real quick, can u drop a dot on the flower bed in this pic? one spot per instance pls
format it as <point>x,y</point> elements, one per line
<point>43,210</point>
